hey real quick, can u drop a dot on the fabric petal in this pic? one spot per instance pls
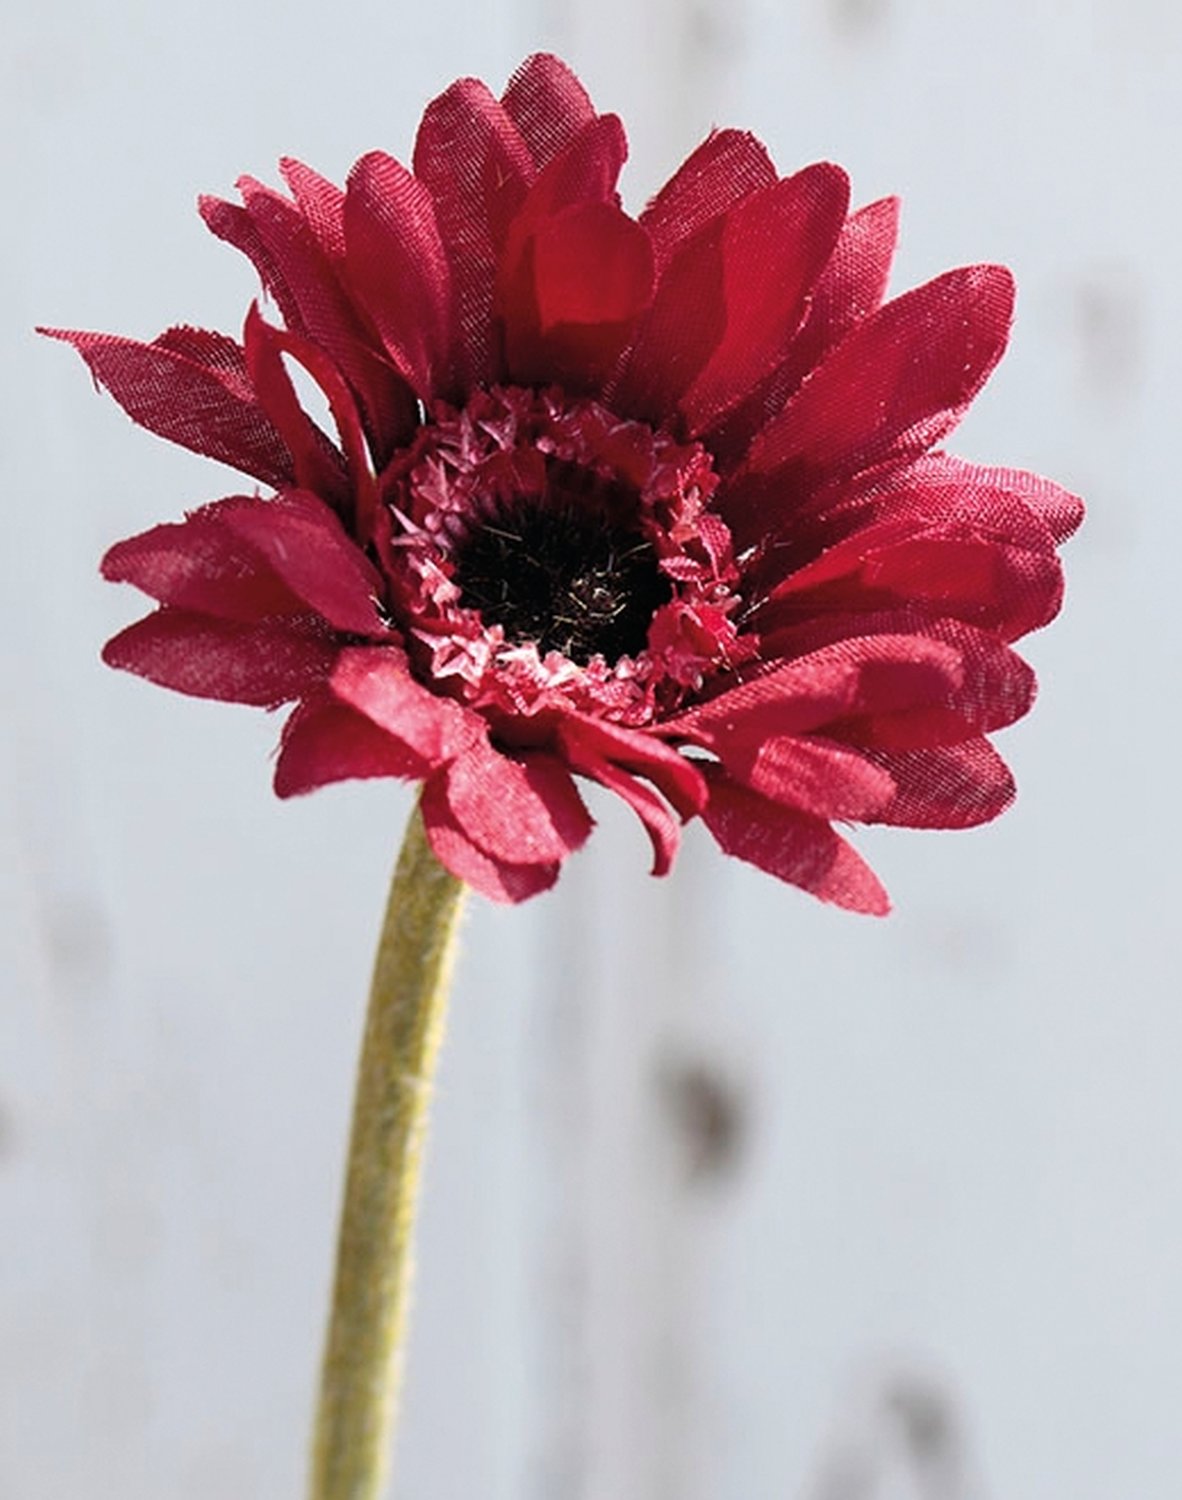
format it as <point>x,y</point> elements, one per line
<point>990,687</point>
<point>800,849</point>
<point>675,777</point>
<point>307,548</point>
<point>660,824</point>
<point>948,786</point>
<point>727,167</point>
<point>189,391</point>
<point>265,346</point>
<point>812,774</point>
<point>774,246</point>
<point>201,565</point>
<point>583,281</point>
<point>843,677</point>
<point>316,462</point>
<point>397,266</point>
<point>1058,509</point>
<point>376,681</point>
<point>263,663</point>
<point>475,165</point>
<point>322,204</point>
<point>295,268</point>
<point>497,879</point>
<point>548,105</point>
<point>325,741</point>
<point>896,384</point>
<point>849,289</point>
<point>521,809</point>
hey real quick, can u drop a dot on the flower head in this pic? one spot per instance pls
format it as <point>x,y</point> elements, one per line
<point>654,502</point>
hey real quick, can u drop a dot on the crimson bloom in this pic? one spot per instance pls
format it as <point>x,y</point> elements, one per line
<point>655,502</point>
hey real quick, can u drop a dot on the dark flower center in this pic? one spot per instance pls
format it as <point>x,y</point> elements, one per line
<point>564,570</point>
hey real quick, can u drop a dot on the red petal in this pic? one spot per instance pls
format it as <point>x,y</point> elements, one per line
<point>201,565</point>
<point>303,280</point>
<point>585,278</point>
<point>324,741</point>
<point>849,289</point>
<point>473,161</point>
<point>198,403</point>
<point>376,681</point>
<point>841,678</point>
<point>307,547</point>
<point>322,204</point>
<point>951,786</point>
<point>662,826</point>
<point>524,809</point>
<point>316,462</point>
<point>494,878</point>
<point>1056,508</point>
<point>896,384</point>
<point>398,268</point>
<point>585,739</point>
<point>957,569</point>
<point>266,345</point>
<point>726,167</point>
<point>774,245</point>
<point>992,686</point>
<point>547,104</point>
<point>815,776</point>
<point>802,850</point>
<point>264,664</point>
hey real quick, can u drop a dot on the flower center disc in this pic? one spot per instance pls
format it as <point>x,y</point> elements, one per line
<point>564,570</point>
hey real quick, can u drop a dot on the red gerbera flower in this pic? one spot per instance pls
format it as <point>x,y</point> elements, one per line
<point>651,502</point>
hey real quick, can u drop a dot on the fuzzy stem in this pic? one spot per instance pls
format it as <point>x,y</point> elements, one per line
<point>362,1359</point>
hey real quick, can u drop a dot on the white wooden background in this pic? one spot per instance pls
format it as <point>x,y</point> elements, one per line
<point>730,1197</point>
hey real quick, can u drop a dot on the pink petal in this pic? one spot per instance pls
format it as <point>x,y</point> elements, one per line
<point>797,848</point>
<point>198,402</point>
<point>496,879</point>
<point>263,663</point>
<point>376,681</point>
<point>477,169</point>
<point>726,168</point>
<point>896,384</point>
<point>547,104</point>
<point>398,268</point>
<point>522,809</point>
<point>307,547</point>
<point>323,741</point>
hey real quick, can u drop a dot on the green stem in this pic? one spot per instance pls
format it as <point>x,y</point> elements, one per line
<point>408,996</point>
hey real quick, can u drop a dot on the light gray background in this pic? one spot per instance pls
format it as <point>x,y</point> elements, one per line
<point>730,1196</point>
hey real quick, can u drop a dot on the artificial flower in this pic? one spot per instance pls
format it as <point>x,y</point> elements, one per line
<point>652,502</point>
